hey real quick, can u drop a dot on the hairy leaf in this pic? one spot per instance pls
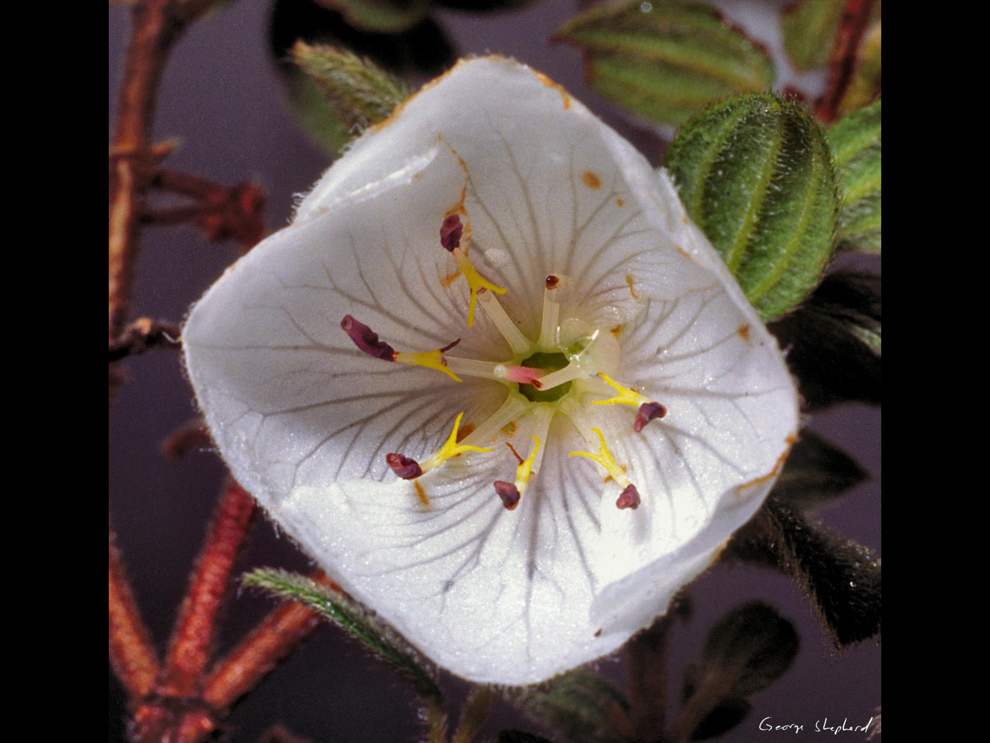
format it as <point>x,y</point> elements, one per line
<point>841,577</point>
<point>581,705</point>
<point>362,93</point>
<point>815,472</point>
<point>834,341</point>
<point>337,607</point>
<point>855,142</point>
<point>756,174</point>
<point>666,60</point>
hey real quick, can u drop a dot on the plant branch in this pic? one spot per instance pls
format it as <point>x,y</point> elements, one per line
<point>142,334</point>
<point>278,634</point>
<point>192,637</point>
<point>131,653</point>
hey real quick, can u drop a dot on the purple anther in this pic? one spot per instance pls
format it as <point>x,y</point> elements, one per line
<point>451,231</point>
<point>509,494</point>
<point>366,339</point>
<point>629,497</point>
<point>405,467</point>
<point>647,412</point>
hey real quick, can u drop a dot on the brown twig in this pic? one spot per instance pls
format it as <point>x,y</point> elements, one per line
<point>142,334</point>
<point>223,213</point>
<point>844,56</point>
<point>189,648</point>
<point>131,652</point>
<point>273,639</point>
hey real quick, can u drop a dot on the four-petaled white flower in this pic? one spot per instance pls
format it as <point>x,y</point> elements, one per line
<point>494,380</point>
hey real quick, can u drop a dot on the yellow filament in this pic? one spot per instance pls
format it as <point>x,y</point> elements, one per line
<point>626,396</point>
<point>429,359</point>
<point>449,450</point>
<point>526,466</point>
<point>475,282</point>
<point>605,459</point>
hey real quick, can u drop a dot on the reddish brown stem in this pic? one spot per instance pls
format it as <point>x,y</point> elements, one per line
<point>258,653</point>
<point>131,653</point>
<point>844,57</point>
<point>189,649</point>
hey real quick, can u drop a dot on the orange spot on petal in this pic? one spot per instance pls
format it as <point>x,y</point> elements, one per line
<point>449,278</point>
<point>629,280</point>
<point>591,180</point>
<point>743,331</point>
<point>420,493</point>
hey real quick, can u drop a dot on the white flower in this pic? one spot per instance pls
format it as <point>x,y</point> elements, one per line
<point>494,209</point>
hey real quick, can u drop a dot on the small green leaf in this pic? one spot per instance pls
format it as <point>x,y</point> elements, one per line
<point>755,173</point>
<point>362,93</point>
<point>667,59</point>
<point>834,341</point>
<point>809,28</point>
<point>748,649</point>
<point>341,610</point>
<point>581,705</point>
<point>841,577</point>
<point>381,16</point>
<point>816,472</point>
<point>855,142</point>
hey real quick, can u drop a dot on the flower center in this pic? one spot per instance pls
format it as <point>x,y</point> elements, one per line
<point>562,371</point>
<point>546,362</point>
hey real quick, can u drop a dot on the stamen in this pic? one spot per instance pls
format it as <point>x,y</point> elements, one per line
<point>510,493</point>
<point>629,498</point>
<point>549,328</point>
<point>451,231</point>
<point>475,282</point>
<point>605,459</point>
<point>366,339</point>
<point>515,405</point>
<point>405,467</point>
<point>518,342</point>
<point>450,449</point>
<point>648,411</point>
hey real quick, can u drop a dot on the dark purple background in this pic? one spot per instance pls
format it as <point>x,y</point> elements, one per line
<point>222,98</point>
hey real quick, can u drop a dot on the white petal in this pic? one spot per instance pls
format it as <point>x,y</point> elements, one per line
<point>304,419</point>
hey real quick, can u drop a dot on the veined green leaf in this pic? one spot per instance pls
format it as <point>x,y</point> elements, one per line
<point>338,608</point>
<point>855,142</point>
<point>756,174</point>
<point>667,59</point>
<point>809,28</point>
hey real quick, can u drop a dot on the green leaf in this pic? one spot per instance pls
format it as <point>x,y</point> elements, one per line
<point>809,28</point>
<point>840,576</point>
<point>755,173</point>
<point>834,341</point>
<point>582,706</point>
<point>338,608</point>
<point>815,472</point>
<point>362,93</point>
<point>855,142</point>
<point>666,60</point>
<point>748,649</point>
<point>381,16</point>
